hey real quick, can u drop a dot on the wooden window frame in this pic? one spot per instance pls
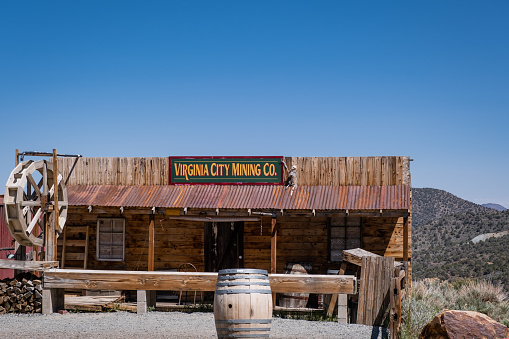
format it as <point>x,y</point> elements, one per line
<point>345,226</point>
<point>123,238</point>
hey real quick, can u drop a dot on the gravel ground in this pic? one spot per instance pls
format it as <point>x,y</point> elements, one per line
<point>162,325</point>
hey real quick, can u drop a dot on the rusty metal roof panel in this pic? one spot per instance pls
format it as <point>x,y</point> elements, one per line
<point>244,197</point>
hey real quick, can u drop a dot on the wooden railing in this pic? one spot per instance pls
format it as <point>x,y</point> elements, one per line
<point>56,280</point>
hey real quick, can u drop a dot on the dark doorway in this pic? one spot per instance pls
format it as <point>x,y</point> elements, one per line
<point>224,245</point>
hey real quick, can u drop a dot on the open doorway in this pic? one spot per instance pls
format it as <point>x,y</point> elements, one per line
<point>224,245</point>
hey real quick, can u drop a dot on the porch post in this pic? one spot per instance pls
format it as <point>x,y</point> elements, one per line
<point>151,243</point>
<point>273,258</point>
<point>405,238</point>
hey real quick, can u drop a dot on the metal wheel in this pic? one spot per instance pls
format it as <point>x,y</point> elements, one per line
<point>29,198</point>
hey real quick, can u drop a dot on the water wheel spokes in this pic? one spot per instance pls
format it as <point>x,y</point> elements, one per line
<point>30,198</point>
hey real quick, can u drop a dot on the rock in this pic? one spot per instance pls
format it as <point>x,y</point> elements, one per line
<point>463,324</point>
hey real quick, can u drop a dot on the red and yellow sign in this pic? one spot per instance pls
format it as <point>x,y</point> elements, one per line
<point>226,170</point>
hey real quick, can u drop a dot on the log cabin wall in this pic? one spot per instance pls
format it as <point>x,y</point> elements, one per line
<point>300,239</point>
<point>176,242</point>
<point>305,239</point>
<point>312,171</point>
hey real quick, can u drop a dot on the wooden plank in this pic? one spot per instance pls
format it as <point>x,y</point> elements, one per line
<point>90,303</point>
<point>376,275</point>
<point>354,256</point>
<point>357,170</point>
<point>27,265</point>
<point>365,170</point>
<point>189,281</point>
<point>75,256</point>
<point>312,283</point>
<point>75,243</point>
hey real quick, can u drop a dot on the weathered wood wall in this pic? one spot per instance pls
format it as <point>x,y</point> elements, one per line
<point>312,171</point>
<point>299,239</point>
<point>176,242</point>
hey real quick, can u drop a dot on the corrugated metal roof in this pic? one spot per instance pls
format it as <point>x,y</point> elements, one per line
<point>243,197</point>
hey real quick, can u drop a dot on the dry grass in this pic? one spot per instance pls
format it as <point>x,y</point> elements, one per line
<point>430,297</point>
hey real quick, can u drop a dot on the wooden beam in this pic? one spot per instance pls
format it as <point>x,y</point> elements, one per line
<point>405,239</point>
<point>313,283</point>
<point>355,255</point>
<point>28,265</point>
<point>151,243</point>
<point>190,281</point>
<point>56,211</point>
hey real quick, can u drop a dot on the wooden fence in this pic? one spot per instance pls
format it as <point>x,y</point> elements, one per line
<point>312,171</point>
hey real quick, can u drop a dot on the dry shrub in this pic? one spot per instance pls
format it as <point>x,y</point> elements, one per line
<point>429,297</point>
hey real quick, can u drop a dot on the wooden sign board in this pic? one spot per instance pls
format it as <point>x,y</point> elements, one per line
<point>226,170</point>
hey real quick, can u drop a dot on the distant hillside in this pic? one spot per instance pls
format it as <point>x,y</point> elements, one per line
<point>443,247</point>
<point>430,203</point>
<point>495,206</point>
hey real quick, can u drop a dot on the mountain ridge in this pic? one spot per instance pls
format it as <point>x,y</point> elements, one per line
<point>442,239</point>
<point>497,207</point>
<point>429,204</point>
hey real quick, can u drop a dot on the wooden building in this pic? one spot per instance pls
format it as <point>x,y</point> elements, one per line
<point>124,214</point>
<point>6,242</point>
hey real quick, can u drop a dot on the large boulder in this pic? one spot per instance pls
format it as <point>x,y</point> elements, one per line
<point>463,324</point>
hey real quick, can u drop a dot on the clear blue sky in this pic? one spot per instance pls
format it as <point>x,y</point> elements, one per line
<point>426,79</point>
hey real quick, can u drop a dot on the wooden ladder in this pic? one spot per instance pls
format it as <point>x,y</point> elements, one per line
<point>73,237</point>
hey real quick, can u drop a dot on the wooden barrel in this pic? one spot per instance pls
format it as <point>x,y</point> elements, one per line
<point>243,304</point>
<point>295,300</point>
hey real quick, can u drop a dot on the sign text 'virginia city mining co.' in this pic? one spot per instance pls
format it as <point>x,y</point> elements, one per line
<point>226,170</point>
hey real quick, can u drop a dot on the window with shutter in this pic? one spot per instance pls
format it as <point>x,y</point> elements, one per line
<point>111,239</point>
<point>344,234</point>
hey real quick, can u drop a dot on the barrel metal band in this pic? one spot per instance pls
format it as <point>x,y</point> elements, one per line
<point>243,321</point>
<point>242,329</point>
<point>242,291</point>
<point>235,335</point>
<point>242,271</point>
<point>233,277</point>
<point>244,283</point>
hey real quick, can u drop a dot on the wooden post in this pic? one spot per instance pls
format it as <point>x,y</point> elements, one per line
<point>53,300</point>
<point>151,243</point>
<point>56,211</point>
<point>48,238</point>
<point>20,251</point>
<point>144,300</point>
<point>342,308</point>
<point>63,247</point>
<point>85,263</point>
<point>405,239</point>
<point>273,257</point>
<point>334,297</point>
<point>395,311</point>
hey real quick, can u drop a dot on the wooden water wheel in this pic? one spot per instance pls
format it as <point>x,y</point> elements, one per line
<point>29,201</point>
